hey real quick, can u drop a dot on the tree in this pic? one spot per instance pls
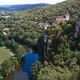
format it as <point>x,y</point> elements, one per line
<point>20,51</point>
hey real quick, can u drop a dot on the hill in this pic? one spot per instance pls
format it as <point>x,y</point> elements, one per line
<point>21,7</point>
<point>48,13</point>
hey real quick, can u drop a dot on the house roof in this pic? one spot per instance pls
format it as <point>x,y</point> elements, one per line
<point>60,17</point>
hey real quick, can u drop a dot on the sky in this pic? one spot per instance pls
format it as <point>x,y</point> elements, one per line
<point>12,2</point>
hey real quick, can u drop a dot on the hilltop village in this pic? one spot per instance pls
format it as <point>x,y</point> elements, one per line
<point>56,20</point>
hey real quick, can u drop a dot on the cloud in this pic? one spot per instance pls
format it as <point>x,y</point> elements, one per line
<point>10,2</point>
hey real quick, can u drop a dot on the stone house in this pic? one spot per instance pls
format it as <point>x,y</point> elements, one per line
<point>66,17</point>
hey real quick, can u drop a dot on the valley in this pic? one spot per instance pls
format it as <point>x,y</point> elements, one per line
<point>41,43</point>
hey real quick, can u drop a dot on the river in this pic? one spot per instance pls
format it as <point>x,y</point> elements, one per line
<point>23,72</point>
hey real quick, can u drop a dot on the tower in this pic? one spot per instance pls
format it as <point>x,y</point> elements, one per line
<point>67,15</point>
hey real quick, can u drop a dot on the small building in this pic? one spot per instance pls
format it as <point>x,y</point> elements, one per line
<point>5,33</point>
<point>43,24</point>
<point>6,29</point>
<point>66,17</point>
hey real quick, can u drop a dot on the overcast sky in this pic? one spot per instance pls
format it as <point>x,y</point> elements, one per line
<point>11,2</point>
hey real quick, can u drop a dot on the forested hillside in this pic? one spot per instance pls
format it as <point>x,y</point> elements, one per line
<point>72,6</point>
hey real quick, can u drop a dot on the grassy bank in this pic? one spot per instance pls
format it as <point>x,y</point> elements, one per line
<point>5,54</point>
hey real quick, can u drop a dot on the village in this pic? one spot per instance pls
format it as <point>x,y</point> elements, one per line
<point>56,20</point>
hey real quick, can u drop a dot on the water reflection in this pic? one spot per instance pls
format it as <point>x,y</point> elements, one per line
<point>17,74</point>
<point>20,75</point>
<point>29,59</point>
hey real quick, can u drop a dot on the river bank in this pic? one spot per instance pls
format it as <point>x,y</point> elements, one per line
<point>23,70</point>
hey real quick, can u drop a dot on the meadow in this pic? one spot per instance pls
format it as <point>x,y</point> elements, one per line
<point>5,54</point>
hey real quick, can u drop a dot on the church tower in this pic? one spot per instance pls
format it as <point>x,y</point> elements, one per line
<point>67,16</point>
